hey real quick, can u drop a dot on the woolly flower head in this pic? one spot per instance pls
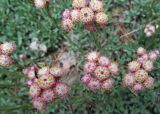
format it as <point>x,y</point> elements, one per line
<point>40,3</point>
<point>7,48</point>
<point>148,65</point>
<point>141,75</point>
<point>89,67</point>
<point>149,82</point>
<point>67,24</point>
<point>61,90</point>
<point>96,5</point>
<point>104,61</point>
<point>107,85</point>
<point>39,103</point>
<point>128,80</point>
<point>46,81</point>
<point>75,15</point>
<point>134,66</point>
<point>101,73</point>
<point>5,61</point>
<point>137,87</point>
<point>79,3</point>
<point>43,71</point>
<point>86,78</point>
<point>48,95</point>
<point>101,18</point>
<point>66,14</point>
<point>86,15</point>
<point>113,68</point>
<point>92,56</point>
<point>34,90</point>
<point>141,51</point>
<point>94,84</point>
<point>149,30</point>
<point>56,72</point>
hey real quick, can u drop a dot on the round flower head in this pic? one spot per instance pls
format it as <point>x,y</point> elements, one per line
<point>7,48</point>
<point>89,67</point>
<point>96,5</point>
<point>128,80</point>
<point>66,14</point>
<point>34,90</point>
<point>5,60</point>
<point>107,85</point>
<point>94,84</point>
<point>134,66</point>
<point>101,18</point>
<point>92,56</point>
<point>29,82</point>
<point>113,68</point>
<point>86,15</point>
<point>40,3</point>
<point>46,81</point>
<point>67,24</point>
<point>137,87</point>
<point>75,15</point>
<point>149,30</point>
<point>89,26</point>
<point>86,78</point>
<point>140,60</point>
<point>39,104</point>
<point>56,72</point>
<point>48,95</point>
<point>43,71</point>
<point>104,61</point>
<point>145,57</point>
<point>79,3</point>
<point>149,82</point>
<point>141,75</point>
<point>153,55</point>
<point>148,65</point>
<point>141,51</point>
<point>101,73</point>
<point>31,74</point>
<point>61,90</point>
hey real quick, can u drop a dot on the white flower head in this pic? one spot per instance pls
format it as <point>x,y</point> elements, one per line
<point>149,30</point>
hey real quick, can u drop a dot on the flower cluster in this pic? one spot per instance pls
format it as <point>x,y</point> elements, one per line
<point>40,3</point>
<point>138,77</point>
<point>89,12</point>
<point>97,72</point>
<point>45,85</point>
<point>6,49</point>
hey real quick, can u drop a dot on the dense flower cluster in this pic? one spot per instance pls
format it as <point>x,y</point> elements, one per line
<point>89,12</point>
<point>40,3</point>
<point>45,85</point>
<point>6,49</point>
<point>138,77</point>
<point>97,72</point>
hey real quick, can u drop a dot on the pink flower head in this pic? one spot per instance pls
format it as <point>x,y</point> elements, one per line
<point>62,90</point>
<point>137,87</point>
<point>66,14</point>
<point>89,67</point>
<point>104,61</point>
<point>86,78</point>
<point>94,84</point>
<point>48,95</point>
<point>92,56</point>
<point>39,103</point>
<point>108,84</point>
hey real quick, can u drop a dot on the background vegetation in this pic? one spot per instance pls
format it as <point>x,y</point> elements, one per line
<point>21,22</point>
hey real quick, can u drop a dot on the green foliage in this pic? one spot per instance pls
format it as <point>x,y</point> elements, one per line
<point>21,22</point>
